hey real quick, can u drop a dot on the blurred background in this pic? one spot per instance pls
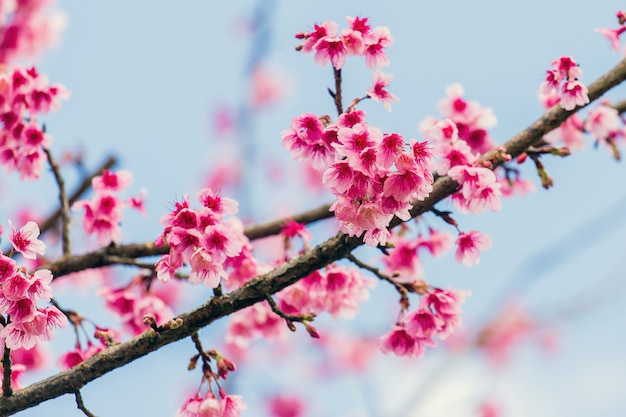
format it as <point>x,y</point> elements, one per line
<point>193,94</point>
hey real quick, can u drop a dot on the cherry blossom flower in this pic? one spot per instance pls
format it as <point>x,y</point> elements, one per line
<point>379,91</point>
<point>24,94</point>
<point>446,305</point>
<point>469,246</point>
<point>399,342</point>
<point>602,121</point>
<point>612,35</point>
<point>573,94</point>
<point>327,28</point>
<point>375,43</point>
<point>114,182</point>
<point>25,240</point>
<point>331,49</point>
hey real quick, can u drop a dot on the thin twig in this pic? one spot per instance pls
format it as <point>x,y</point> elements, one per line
<point>400,287</point>
<point>65,207</point>
<point>81,405</point>
<point>337,92</point>
<point>7,374</point>
<point>289,318</point>
<point>198,345</point>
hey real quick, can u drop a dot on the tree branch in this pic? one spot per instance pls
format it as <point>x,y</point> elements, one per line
<point>259,288</point>
<point>108,255</point>
<point>7,377</point>
<point>65,207</point>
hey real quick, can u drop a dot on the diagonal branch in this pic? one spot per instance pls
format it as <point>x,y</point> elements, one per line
<point>106,255</point>
<point>259,288</point>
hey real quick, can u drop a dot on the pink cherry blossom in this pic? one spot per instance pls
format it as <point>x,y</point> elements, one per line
<point>379,91</point>
<point>359,24</point>
<point>446,305</point>
<point>443,131</point>
<point>375,43</point>
<point>327,28</point>
<point>612,35</point>
<point>353,41</point>
<point>573,94</point>
<point>602,122</point>
<point>115,182</point>
<point>25,240</point>
<point>232,406</point>
<point>422,323</point>
<point>469,246</point>
<point>399,342</point>
<point>454,154</point>
<point>78,355</point>
<point>403,261</point>
<point>569,132</point>
<point>331,49</point>
<point>567,68</point>
<point>480,189</point>
<point>190,407</point>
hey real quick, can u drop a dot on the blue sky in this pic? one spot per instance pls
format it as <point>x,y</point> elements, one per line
<point>145,78</point>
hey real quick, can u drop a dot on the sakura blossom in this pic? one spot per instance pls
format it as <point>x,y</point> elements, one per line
<point>24,95</point>
<point>19,297</point>
<point>332,46</point>
<point>573,94</point>
<point>469,246</point>
<point>379,91</point>
<point>25,240</point>
<point>201,238</point>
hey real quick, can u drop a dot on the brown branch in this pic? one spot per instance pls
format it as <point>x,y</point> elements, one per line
<point>274,227</point>
<point>337,92</point>
<point>7,377</point>
<point>107,255</point>
<point>258,289</point>
<point>65,207</point>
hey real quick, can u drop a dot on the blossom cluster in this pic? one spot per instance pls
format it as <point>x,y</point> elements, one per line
<point>201,238</point>
<point>359,39</point>
<point>103,212</point>
<point>21,292</point>
<point>438,314</point>
<point>572,92</point>
<point>133,303</point>
<point>24,95</point>
<point>404,263</point>
<point>337,290</point>
<point>26,29</point>
<point>471,121</point>
<point>375,176</point>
